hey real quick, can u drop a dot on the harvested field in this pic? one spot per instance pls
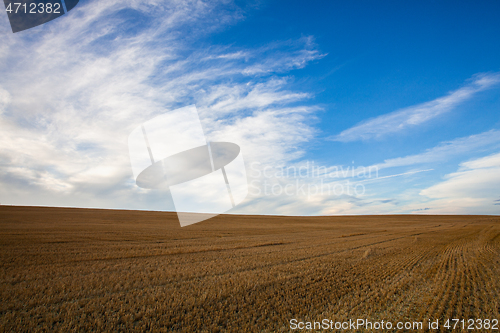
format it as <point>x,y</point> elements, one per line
<point>79,270</point>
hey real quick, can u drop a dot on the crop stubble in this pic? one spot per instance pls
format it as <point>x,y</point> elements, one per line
<point>82,269</point>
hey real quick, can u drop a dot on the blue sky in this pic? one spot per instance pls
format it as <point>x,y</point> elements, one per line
<point>411,88</point>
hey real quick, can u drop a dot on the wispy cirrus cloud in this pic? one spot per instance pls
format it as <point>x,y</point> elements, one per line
<point>400,120</point>
<point>445,150</point>
<point>473,189</point>
<point>300,53</point>
<point>73,89</point>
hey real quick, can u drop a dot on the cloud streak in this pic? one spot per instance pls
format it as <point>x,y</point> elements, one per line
<point>403,119</point>
<point>447,149</point>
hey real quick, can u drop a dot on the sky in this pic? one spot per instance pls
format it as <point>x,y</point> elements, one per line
<point>339,107</point>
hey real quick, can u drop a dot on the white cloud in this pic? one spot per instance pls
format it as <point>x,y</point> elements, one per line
<point>77,86</point>
<point>447,149</point>
<point>4,97</point>
<point>473,189</point>
<point>304,51</point>
<point>224,99</point>
<point>400,120</point>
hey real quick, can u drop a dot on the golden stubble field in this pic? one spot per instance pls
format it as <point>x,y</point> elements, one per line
<point>65,270</point>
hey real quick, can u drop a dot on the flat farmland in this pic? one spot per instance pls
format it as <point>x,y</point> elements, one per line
<point>86,270</point>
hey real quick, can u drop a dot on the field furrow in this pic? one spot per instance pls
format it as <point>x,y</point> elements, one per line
<point>92,270</point>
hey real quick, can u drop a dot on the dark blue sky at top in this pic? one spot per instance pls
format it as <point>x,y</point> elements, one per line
<point>382,56</point>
